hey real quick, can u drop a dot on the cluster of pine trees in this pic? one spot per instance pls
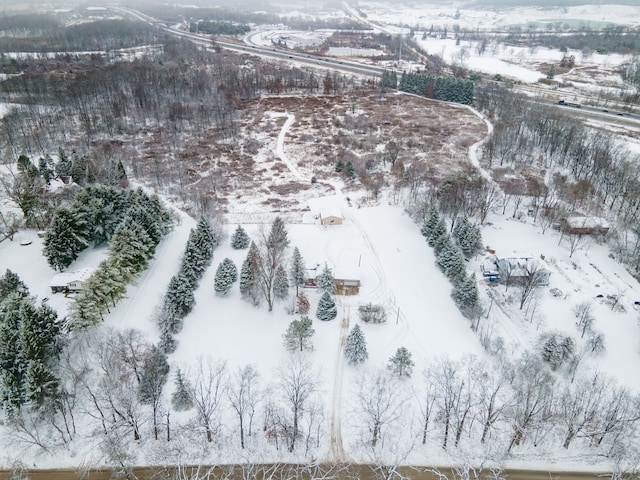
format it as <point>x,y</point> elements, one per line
<point>263,275</point>
<point>31,338</point>
<point>451,252</point>
<point>178,299</point>
<point>132,222</point>
<point>448,89</point>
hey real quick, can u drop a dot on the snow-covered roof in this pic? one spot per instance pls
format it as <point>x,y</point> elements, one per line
<point>65,278</point>
<point>587,222</point>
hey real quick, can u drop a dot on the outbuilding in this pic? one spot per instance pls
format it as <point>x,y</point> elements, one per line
<point>585,225</point>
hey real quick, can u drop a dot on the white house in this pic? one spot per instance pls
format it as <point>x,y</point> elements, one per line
<point>70,282</point>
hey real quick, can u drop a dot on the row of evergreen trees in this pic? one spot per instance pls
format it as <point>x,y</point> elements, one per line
<point>31,338</point>
<point>94,217</point>
<point>451,252</point>
<point>179,299</point>
<point>448,89</point>
<point>132,232</point>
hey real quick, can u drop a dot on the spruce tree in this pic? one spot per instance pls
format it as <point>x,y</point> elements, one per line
<point>401,363</point>
<point>226,275</point>
<point>451,262</point>
<point>465,295</point>
<point>551,352</point>
<point>205,239</point>
<point>240,240</point>
<point>430,223</point>
<point>298,335</point>
<point>326,308</point>
<point>178,303</point>
<point>467,236</point>
<point>326,281</point>
<point>180,398</point>
<point>249,274</point>
<point>438,231</point>
<point>298,271</point>
<point>280,284</point>
<point>355,347</point>
<point>278,238</point>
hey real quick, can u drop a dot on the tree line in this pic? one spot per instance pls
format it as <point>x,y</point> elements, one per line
<point>589,171</point>
<point>448,89</point>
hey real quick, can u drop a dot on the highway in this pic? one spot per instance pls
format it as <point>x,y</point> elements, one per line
<point>614,117</point>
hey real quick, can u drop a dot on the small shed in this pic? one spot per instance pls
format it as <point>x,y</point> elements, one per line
<point>70,282</point>
<point>585,225</point>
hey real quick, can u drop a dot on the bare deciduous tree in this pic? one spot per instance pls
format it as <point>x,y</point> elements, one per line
<point>380,402</point>
<point>297,382</point>
<point>206,387</point>
<point>244,394</point>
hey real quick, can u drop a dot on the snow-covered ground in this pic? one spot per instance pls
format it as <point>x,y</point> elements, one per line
<point>396,268</point>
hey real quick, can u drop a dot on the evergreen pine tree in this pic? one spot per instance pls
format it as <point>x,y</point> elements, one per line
<point>168,343</point>
<point>13,365</point>
<point>551,352</point>
<point>326,308</point>
<point>10,282</point>
<point>63,166</point>
<point>108,277</point>
<point>298,335</point>
<point>40,383</point>
<point>430,223</point>
<point>206,240</point>
<point>226,275</point>
<point>280,284</point>
<point>130,249</point>
<point>278,238</point>
<point>401,363</point>
<point>326,281</point>
<point>298,271</point>
<point>355,347</point>
<point>240,240</point>
<point>248,274</point>
<point>180,398</point>
<point>465,295</point>
<point>467,236</point>
<point>349,170</point>
<point>438,231</point>
<point>178,303</point>
<point>85,311</point>
<point>451,262</point>
<point>66,237</point>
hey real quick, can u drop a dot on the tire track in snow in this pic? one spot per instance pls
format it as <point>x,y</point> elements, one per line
<point>337,450</point>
